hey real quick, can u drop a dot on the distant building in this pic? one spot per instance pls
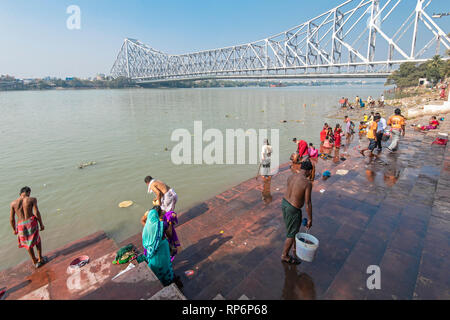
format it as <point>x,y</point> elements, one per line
<point>10,83</point>
<point>28,81</point>
<point>423,82</point>
<point>100,76</point>
<point>69,78</point>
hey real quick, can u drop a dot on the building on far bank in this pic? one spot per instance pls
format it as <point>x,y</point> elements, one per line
<point>423,82</point>
<point>10,83</point>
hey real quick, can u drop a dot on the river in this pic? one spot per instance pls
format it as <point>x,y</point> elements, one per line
<point>45,135</point>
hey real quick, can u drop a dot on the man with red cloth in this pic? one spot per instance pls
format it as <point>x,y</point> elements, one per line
<point>28,225</point>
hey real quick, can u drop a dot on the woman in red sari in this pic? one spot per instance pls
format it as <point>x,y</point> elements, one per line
<point>337,136</point>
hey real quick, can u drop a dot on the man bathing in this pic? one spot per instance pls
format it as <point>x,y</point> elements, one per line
<point>27,228</point>
<point>297,194</point>
<point>165,196</point>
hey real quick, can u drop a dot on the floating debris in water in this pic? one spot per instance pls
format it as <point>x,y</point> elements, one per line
<point>166,149</point>
<point>125,204</point>
<point>86,164</point>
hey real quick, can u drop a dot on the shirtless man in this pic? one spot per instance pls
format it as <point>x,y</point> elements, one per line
<point>165,196</point>
<point>297,194</point>
<point>28,222</point>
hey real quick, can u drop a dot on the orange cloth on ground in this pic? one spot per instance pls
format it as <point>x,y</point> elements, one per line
<point>396,122</point>
<point>373,126</point>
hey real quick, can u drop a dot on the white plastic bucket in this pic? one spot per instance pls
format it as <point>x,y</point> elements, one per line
<point>305,251</point>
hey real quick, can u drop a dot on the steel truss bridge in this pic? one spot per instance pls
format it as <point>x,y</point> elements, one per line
<point>356,39</point>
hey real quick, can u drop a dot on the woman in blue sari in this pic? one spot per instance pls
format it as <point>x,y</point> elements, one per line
<point>156,247</point>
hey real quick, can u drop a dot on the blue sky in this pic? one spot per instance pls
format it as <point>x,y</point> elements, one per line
<point>35,41</point>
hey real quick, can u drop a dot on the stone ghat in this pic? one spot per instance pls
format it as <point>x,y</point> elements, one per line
<point>393,213</point>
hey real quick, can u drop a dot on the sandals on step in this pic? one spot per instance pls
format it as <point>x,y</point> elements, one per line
<point>41,263</point>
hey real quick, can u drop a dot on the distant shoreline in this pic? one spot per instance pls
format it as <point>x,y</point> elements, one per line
<point>184,85</point>
<point>10,83</point>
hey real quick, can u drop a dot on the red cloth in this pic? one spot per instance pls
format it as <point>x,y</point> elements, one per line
<point>337,138</point>
<point>440,141</point>
<point>28,233</point>
<point>302,148</point>
<point>323,135</point>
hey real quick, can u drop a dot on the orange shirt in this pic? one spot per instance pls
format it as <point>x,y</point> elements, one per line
<point>396,122</point>
<point>373,126</point>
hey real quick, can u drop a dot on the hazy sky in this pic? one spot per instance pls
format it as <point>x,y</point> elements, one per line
<point>35,42</point>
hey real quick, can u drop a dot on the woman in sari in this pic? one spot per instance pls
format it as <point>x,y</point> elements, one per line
<point>157,251</point>
<point>337,136</point>
<point>433,124</point>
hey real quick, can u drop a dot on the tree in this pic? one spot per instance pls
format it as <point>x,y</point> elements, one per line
<point>435,69</point>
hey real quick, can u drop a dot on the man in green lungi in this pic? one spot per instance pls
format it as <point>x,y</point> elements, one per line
<point>297,194</point>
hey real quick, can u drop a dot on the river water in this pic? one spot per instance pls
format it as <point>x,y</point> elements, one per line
<point>45,135</point>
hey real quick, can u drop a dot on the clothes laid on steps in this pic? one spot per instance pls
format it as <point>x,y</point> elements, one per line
<point>28,233</point>
<point>170,219</point>
<point>440,141</point>
<point>125,254</point>
<point>157,248</point>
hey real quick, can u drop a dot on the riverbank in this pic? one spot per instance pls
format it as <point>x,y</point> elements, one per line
<point>393,213</point>
<point>414,98</point>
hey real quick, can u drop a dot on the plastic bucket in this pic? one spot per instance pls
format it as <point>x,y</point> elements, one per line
<point>306,251</point>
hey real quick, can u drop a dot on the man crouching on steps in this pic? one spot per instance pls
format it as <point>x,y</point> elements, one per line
<point>165,195</point>
<point>297,194</point>
<point>27,229</point>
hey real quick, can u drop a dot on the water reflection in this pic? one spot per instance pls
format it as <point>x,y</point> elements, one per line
<point>266,195</point>
<point>336,155</point>
<point>297,286</point>
<point>390,175</point>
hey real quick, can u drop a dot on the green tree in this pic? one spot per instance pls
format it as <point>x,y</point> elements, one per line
<point>435,69</point>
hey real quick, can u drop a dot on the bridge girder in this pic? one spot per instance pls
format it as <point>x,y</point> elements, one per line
<point>344,40</point>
